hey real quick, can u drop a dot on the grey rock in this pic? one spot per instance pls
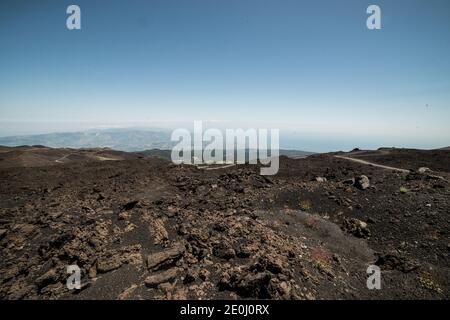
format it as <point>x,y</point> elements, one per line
<point>362,182</point>
<point>423,170</point>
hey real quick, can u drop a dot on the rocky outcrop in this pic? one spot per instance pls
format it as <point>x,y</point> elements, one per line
<point>164,258</point>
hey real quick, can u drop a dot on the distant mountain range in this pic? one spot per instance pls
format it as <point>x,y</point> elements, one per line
<point>117,139</point>
<point>153,141</point>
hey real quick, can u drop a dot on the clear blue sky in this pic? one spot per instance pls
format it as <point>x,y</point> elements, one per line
<point>309,66</point>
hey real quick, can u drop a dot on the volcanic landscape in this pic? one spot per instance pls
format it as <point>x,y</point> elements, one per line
<point>140,227</point>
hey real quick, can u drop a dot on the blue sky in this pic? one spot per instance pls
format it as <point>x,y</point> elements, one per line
<point>308,67</point>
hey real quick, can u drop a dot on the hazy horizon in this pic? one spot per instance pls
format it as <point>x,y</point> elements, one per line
<point>309,68</point>
<point>290,139</point>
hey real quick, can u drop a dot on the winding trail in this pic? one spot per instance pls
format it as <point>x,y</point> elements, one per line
<point>373,164</point>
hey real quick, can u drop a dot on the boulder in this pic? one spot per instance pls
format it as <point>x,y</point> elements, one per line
<point>158,231</point>
<point>109,263</point>
<point>164,276</point>
<point>395,261</point>
<point>362,182</point>
<point>357,228</point>
<point>224,250</point>
<point>51,276</point>
<point>157,260</point>
<point>270,262</point>
<point>423,170</point>
<point>116,258</point>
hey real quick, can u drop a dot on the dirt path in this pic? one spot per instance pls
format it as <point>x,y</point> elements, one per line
<point>63,157</point>
<point>373,164</point>
<point>217,168</point>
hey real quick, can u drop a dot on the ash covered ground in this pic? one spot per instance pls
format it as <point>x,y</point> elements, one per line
<point>140,227</point>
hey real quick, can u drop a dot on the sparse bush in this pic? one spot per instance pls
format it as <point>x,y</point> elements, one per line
<point>427,281</point>
<point>305,205</point>
<point>404,190</point>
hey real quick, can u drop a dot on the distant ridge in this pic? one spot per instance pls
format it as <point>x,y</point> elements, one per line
<point>152,141</point>
<point>117,139</point>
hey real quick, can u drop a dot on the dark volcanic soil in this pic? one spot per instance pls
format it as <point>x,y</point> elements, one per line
<point>143,228</point>
<point>438,160</point>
